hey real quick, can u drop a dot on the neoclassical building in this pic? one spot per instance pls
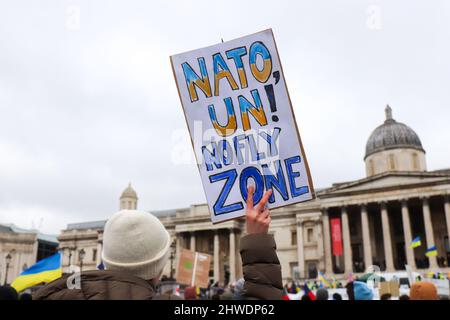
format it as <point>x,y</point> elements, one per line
<point>376,217</point>
<point>21,248</point>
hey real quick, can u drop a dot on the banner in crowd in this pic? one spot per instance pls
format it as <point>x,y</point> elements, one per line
<point>442,286</point>
<point>336,236</point>
<point>242,124</point>
<point>193,268</point>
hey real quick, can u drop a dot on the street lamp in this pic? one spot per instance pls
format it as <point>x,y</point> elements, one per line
<point>172,257</point>
<point>8,259</point>
<point>71,249</point>
<point>81,255</point>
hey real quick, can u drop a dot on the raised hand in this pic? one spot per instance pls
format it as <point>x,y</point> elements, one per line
<point>257,217</point>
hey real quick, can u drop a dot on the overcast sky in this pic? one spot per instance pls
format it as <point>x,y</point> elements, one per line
<point>88,101</point>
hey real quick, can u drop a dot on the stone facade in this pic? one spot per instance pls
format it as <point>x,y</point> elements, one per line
<point>379,216</point>
<point>24,248</point>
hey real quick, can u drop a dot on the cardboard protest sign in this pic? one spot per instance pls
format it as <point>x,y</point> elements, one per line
<point>242,124</point>
<point>193,268</point>
<point>392,287</point>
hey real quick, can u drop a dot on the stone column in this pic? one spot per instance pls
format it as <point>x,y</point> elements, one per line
<point>429,231</point>
<point>320,245</point>
<point>98,258</point>
<point>99,246</point>
<point>387,242</point>
<point>447,215</point>
<point>192,245</point>
<point>216,257</point>
<point>348,259</point>
<point>408,236</point>
<point>238,255</point>
<point>178,247</point>
<point>232,256</point>
<point>366,237</point>
<point>327,242</point>
<point>300,250</point>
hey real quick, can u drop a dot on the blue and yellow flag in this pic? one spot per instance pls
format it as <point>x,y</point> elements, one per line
<point>415,243</point>
<point>46,270</point>
<point>431,251</point>
<point>324,280</point>
<point>334,284</point>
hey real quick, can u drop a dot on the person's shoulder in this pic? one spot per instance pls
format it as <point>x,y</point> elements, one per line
<point>48,290</point>
<point>91,284</point>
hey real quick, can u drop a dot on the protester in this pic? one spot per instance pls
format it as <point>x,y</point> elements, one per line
<point>337,296</point>
<point>305,297</point>
<point>357,290</point>
<point>190,293</point>
<point>423,291</point>
<point>25,296</point>
<point>238,289</point>
<point>386,296</point>
<point>8,293</point>
<point>261,267</point>
<point>350,292</point>
<point>136,249</point>
<point>322,294</point>
<point>227,294</point>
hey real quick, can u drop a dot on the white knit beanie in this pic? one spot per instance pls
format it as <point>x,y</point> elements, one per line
<point>135,242</point>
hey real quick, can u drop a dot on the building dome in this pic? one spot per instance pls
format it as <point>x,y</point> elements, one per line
<point>128,199</point>
<point>394,146</point>
<point>129,192</point>
<point>392,135</point>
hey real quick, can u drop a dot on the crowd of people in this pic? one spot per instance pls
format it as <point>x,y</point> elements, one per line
<point>136,249</point>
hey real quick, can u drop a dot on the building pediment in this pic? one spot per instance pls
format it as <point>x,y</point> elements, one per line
<point>387,181</point>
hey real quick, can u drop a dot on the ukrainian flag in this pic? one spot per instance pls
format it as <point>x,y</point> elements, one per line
<point>334,285</point>
<point>431,251</point>
<point>46,270</point>
<point>415,243</point>
<point>324,280</point>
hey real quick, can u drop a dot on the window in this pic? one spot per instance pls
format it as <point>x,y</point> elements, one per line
<point>415,160</point>
<point>294,238</point>
<point>94,254</point>
<point>295,272</point>
<point>310,235</point>
<point>312,270</point>
<point>391,162</point>
<point>371,168</point>
<point>211,245</point>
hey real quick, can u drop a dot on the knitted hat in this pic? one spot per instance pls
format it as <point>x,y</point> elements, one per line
<point>362,291</point>
<point>423,291</point>
<point>135,242</point>
<point>322,294</point>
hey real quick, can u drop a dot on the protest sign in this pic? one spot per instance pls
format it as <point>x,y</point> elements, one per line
<point>389,287</point>
<point>193,268</point>
<point>242,124</point>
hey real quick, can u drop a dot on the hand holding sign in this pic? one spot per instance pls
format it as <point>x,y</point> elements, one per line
<point>257,217</point>
<point>242,126</point>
